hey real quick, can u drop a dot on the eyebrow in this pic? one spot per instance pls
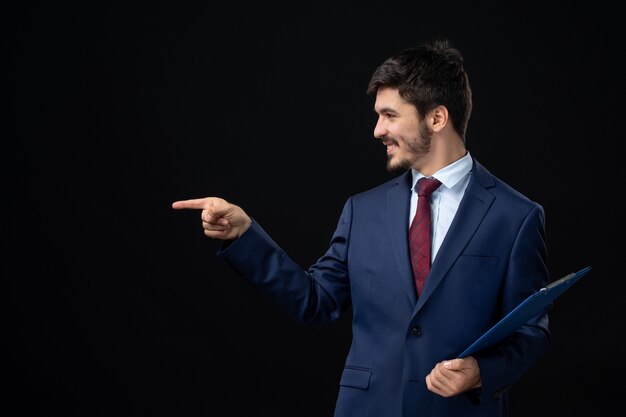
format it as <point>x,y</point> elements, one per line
<point>386,110</point>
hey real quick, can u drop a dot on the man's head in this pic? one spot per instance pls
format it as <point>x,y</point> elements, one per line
<point>419,91</point>
<point>428,76</point>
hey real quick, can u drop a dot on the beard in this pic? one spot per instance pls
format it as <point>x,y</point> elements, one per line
<point>415,148</point>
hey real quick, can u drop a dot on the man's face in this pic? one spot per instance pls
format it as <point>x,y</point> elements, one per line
<point>399,129</point>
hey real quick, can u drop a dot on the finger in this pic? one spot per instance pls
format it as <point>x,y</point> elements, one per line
<point>434,384</point>
<point>217,233</point>
<point>195,203</point>
<point>443,375</point>
<point>454,364</point>
<point>214,215</point>
<point>214,227</point>
<point>429,383</point>
<point>211,222</point>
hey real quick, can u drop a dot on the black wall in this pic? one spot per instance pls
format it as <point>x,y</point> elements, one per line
<point>117,305</point>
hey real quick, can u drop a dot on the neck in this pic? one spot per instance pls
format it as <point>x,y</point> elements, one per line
<point>443,152</point>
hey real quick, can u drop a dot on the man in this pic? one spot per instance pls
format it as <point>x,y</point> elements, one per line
<point>488,254</point>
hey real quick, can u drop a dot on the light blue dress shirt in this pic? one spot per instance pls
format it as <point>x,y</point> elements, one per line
<point>446,199</point>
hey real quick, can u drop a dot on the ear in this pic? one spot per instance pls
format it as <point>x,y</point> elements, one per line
<point>439,118</point>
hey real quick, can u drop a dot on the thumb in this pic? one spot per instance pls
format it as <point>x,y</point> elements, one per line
<point>217,207</point>
<point>453,364</point>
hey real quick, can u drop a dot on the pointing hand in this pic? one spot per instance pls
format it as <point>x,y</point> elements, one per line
<point>220,219</point>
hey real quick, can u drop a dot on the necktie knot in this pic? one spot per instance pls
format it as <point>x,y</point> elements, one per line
<point>427,185</point>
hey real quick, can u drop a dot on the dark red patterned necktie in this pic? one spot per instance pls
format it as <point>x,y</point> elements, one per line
<point>420,232</point>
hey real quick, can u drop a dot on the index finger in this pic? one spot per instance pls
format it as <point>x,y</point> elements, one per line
<point>194,203</point>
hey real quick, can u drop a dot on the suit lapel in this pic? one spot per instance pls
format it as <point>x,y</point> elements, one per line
<point>472,210</point>
<point>398,202</point>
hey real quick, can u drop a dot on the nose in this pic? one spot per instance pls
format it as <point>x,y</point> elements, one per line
<point>380,130</point>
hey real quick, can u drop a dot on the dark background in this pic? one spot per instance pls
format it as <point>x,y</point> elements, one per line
<point>115,304</point>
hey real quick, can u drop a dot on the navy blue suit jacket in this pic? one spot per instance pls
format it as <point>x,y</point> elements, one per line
<point>493,257</point>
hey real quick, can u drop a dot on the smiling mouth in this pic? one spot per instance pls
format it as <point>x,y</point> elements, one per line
<point>390,144</point>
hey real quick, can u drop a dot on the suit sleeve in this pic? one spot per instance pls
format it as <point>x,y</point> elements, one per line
<point>319,294</point>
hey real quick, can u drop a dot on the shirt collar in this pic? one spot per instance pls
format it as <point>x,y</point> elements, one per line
<point>449,175</point>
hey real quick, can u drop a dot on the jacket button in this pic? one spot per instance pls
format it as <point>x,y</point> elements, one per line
<point>416,331</point>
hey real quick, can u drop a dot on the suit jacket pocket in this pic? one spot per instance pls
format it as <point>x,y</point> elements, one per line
<point>356,378</point>
<point>478,261</point>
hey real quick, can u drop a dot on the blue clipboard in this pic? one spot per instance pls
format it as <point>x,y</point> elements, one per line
<point>526,310</point>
